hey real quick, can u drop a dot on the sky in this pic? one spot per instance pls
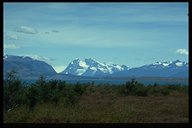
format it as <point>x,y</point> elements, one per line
<point>132,34</point>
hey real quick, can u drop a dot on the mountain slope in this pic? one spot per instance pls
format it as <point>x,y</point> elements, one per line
<point>26,66</point>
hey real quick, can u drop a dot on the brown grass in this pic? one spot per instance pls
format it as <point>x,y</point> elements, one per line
<point>98,107</point>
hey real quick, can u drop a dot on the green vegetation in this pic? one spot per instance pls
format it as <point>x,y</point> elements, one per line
<point>55,101</point>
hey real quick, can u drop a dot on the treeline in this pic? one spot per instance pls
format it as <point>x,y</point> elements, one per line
<point>17,93</point>
<point>135,88</point>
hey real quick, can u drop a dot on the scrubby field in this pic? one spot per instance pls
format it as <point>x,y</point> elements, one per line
<point>57,102</point>
<point>99,108</point>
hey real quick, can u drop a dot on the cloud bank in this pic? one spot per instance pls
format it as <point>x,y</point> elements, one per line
<point>182,52</point>
<point>12,37</point>
<point>26,30</point>
<point>37,57</point>
<point>10,46</point>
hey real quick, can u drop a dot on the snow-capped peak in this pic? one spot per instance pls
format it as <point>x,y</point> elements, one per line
<point>90,61</point>
<point>166,63</point>
<point>163,63</point>
<point>91,66</point>
<point>176,63</point>
<point>157,63</point>
<point>4,56</point>
<point>179,64</point>
<point>83,64</point>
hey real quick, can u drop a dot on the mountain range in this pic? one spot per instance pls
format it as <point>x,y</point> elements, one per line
<point>29,68</point>
<point>91,67</point>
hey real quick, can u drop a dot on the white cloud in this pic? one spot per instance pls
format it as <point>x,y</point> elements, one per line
<point>12,37</point>
<point>182,52</point>
<point>26,29</point>
<point>59,69</point>
<point>37,57</point>
<point>10,46</point>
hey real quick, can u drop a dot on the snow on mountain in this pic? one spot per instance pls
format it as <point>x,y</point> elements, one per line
<point>28,66</point>
<point>168,64</point>
<point>76,67</point>
<point>179,64</point>
<point>91,67</point>
<point>159,69</point>
<point>4,56</point>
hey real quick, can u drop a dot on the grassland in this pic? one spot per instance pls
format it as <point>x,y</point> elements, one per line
<point>103,104</point>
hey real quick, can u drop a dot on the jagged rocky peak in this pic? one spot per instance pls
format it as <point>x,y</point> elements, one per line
<point>90,67</point>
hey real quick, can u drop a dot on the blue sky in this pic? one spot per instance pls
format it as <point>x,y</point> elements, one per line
<point>133,34</point>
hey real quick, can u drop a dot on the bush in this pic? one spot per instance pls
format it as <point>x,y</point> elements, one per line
<point>32,96</point>
<point>133,88</point>
<point>140,91</point>
<point>78,88</point>
<point>13,90</point>
<point>164,92</point>
<point>71,98</point>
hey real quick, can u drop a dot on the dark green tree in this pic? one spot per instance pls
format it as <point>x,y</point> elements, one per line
<point>32,96</point>
<point>12,90</point>
<point>129,86</point>
<point>43,88</point>
<point>78,88</point>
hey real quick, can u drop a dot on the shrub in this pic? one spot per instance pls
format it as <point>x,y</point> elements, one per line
<point>71,97</point>
<point>140,90</point>
<point>13,90</point>
<point>165,92</point>
<point>133,88</point>
<point>54,97</point>
<point>32,96</point>
<point>78,88</point>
